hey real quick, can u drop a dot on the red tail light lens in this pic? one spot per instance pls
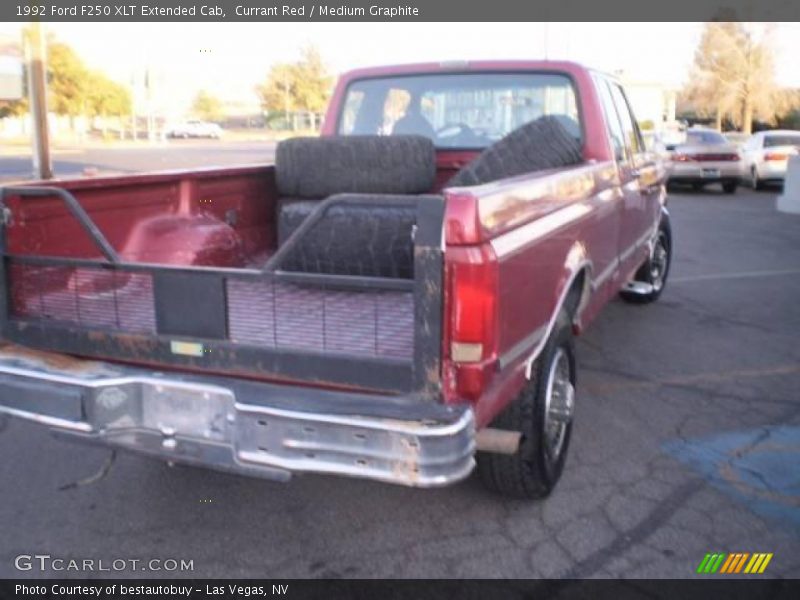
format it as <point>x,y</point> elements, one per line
<point>708,157</point>
<point>474,285</point>
<point>473,305</point>
<point>776,156</point>
<point>717,157</point>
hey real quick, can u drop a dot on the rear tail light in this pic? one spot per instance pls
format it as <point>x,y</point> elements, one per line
<point>473,279</point>
<point>717,157</point>
<point>776,156</point>
<point>706,157</point>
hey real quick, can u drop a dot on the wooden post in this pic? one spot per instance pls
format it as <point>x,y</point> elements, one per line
<point>37,92</point>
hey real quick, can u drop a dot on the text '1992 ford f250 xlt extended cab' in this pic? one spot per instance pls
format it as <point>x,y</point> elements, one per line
<point>394,300</point>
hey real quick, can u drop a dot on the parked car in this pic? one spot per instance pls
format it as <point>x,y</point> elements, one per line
<point>766,155</point>
<point>194,129</point>
<point>705,157</point>
<point>417,310</point>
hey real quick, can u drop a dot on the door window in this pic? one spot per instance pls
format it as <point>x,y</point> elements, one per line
<point>615,132</point>
<point>633,137</point>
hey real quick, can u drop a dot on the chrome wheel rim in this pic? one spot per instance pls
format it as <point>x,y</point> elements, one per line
<point>658,262</point>
<point>559,403</point>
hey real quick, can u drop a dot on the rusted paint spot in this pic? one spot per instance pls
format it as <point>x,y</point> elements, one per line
<point>432,376</point>
<point>407,469</point>
<point>135,344</point>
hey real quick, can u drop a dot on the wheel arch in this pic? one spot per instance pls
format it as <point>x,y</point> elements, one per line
<point>573,294</point>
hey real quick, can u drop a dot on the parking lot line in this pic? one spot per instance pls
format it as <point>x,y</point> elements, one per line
<point>740,275</point>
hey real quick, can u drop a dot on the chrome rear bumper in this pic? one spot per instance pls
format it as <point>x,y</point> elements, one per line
<point>246,429</point>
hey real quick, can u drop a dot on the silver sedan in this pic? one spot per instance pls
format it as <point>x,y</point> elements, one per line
<point>766,155</point>
<point>705,157</point>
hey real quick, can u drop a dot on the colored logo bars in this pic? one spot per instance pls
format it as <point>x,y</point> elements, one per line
<point>740,562</point>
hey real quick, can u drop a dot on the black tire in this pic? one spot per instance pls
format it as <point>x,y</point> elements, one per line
<point>647,274</point>
<point>315,168</point>
<point>541,144</point>
<point>534,470</point>
<point>755,180</point>
<point>730,187</point>
<point>374,239</point>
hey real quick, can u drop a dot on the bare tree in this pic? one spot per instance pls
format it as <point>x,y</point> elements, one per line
<point>734,76</point>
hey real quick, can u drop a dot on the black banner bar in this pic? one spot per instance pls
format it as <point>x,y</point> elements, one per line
<point>731,588</point>
<point>397,10</point>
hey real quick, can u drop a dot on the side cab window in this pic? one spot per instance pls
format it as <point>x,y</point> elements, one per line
<point>614,129</point>
<point>633,137</point>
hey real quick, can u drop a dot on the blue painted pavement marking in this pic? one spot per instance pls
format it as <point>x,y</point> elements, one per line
<point>758,467</point>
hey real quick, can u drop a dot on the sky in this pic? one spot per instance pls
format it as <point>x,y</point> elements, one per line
<point>229,59</point>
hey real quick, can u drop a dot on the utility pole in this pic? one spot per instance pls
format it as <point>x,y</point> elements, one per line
<point>37,92</point>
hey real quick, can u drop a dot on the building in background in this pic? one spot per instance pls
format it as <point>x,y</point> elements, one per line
<point>653,102</point>
<point>11,70</point>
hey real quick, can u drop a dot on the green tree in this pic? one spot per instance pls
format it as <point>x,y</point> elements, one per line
<point>107,98</point>
<point>734,76</point>
<point>277,93</point>
<point>75,90</point>
<point>301,85</point>
<point>13,108</point>
<point>68,81</point>
<point>313,82</point>
<point>206,106</point>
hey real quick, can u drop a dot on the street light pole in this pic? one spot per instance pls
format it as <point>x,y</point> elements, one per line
<point>37,91</point>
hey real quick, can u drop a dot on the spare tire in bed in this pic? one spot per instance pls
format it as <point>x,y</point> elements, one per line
<point>371,238</point>
<point>541,144</point>
<point>315,168</point>
<point>291,214</point>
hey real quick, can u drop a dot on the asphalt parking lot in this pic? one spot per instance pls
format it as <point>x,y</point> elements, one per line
<point>687,441</point>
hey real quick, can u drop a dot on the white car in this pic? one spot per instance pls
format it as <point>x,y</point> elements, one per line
<point>703,158</point>
<point>195,129</point>
<point>766,155</point>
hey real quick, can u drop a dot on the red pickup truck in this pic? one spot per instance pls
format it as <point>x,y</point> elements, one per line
<point>394,300</point>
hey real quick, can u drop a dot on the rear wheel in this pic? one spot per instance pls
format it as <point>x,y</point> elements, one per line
<point>650,279</point>
<point>755,180</point>
<point>729,187</point>
<point>542,412</point>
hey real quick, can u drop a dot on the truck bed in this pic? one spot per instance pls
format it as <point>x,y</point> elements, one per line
<point>180,271</point>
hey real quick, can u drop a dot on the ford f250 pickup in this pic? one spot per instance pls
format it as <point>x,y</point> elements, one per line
<point>395,299</point>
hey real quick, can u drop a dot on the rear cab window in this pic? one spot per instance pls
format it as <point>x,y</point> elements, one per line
<point>705,138</point>
<point>771,141</point>
<point>458,110</point>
